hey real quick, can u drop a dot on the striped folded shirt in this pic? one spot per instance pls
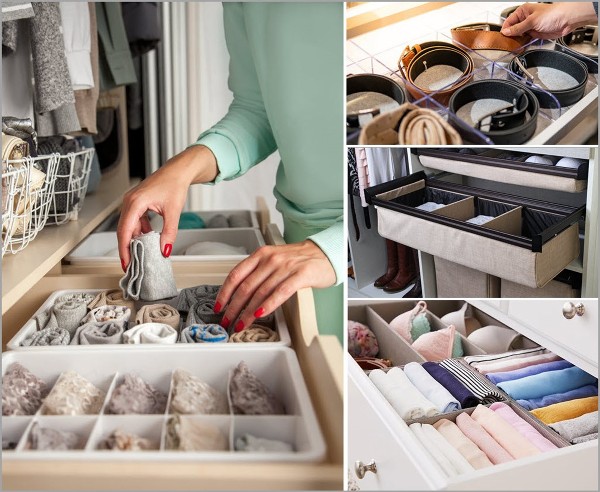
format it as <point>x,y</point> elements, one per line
<point>483,390</point>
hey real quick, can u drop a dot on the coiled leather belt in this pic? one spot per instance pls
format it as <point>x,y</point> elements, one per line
<point>421,57</point>
<point>514,124</point>
<point>520,64</point>
<point>587,35</point>
<point>486,36</point>
<point>409,124</point>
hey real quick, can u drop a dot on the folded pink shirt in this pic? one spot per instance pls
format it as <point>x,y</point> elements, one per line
<point>474,431</point>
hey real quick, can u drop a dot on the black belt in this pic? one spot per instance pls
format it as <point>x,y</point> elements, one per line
<point>555,59</point>
<point>513,125</point>
<point>588,35</point>
<point>369,83</point>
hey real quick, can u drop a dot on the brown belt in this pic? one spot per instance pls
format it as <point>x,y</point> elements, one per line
<point>409,125</point>
<point>421,57</point>
<point>486,36</point>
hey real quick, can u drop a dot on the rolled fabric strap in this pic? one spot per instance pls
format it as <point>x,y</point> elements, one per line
<point>416,61</point>
<point>200,333</point>
<point>149,275</point>
<point>113,297</point>
<point>575,72</point>
<point>150,333</point>
<point>371,83</point>
<point>409,124</point>
<point>252,444</point>
<point>47,336</point>
<point>108,313</point>
<point>159,313</point>
<point>202,313</point>
<point>586,39</point>
<point>218,221</point>
<point>66,315</point>
<point>487,36</point>
<point>99,333</point>
<point>513,124</point>
<point>371,363</point>
<point>190,295</point>
<point>238,221</point>
<point>82,297</point>
<point>255,333</point>
<point>250,396</point>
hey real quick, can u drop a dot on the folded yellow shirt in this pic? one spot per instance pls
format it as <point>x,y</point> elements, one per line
<point>566,410</point>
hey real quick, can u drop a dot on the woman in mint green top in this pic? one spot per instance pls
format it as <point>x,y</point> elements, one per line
<point>286,75</point>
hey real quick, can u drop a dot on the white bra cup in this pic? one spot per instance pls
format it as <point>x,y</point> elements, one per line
<point>462,320</point>
<point>494,339</point>
<point>570,162</point>
<point>540,159</point>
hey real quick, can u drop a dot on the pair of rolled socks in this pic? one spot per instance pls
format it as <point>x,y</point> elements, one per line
<point>190,295</point>
<point>430,388</point>
<point>79,297</point>
<point>547,383</point>
<point>447,457</point>
<point>362,342</point>
<point>189,434</point>
<point>107,312</point>
<point>72,394</point>
<point>134,396</point>
<point>577,427</point>
<point>47,337</point>
<point>99,333</point>
<point>151,333</point>
<point>566,410</point>
<point>112,297</point>
<point>202,312</point>
<point>158,313</point>
<point>22,391</point>
<point>204,334</point>
<point>65,315</point>
<point>214,248</point>
<point>254,334</point>
<point>191,395</point>
<point>545,401</point>
<point>401,394</point>
<point>252,444</point>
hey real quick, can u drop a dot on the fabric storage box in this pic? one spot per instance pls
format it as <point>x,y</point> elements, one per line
<point>95,248</point>
<point>526,241</point>
<point>509,167</point>
<point>454,280</point>
<point>566,285</point>
<point>277,368</point>
<point>30,327</point>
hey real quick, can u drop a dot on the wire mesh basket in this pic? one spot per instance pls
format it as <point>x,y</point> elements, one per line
<point>27,193</point>
<point>72,177</point>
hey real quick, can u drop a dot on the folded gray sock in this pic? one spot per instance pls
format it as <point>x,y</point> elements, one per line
<point>202,313</point>
<point>149,276</point>
<point>99,333</point>
<point>102,314</point>
<point>239,220</point>
<point>580,426</point>
<point>250,396</point>
<point>200,333</point>
<point>45,439</point>
<point>136,396</point>
<point>47,336</point>
<point>589,437</point>
<point>66,315</point>
<point>190,295</point>
<point>219,221</point>
<point>252,444</point>
<point>83,297</point>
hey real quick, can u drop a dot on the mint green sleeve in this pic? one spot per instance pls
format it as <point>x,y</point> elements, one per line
<point>331,242</point>
<point>243,138</point>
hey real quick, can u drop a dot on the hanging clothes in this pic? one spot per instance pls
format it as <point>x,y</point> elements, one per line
<point>15,10</point>
<point>385,164</point>
<point>142,24</point>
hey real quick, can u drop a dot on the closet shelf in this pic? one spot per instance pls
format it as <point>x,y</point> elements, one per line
<point>22,271</point>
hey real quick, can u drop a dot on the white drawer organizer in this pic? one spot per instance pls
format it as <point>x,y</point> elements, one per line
<point>30,328</point>
<point>276,367</point>
<point>378,435</point>
<point>94,249</point>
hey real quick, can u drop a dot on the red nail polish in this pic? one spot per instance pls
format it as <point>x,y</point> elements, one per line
<point>167,250</point>
<point>239,326</point>
<point>123,265</point>
<point>259,312</point>
<point>217,308</point>
<point>225,322</point>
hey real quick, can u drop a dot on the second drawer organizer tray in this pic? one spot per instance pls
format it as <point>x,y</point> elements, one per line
<point>277,368</point>
<point>509,167</point>
<point>30,327</point>
<point>101,247</point>
<point>527,241</point>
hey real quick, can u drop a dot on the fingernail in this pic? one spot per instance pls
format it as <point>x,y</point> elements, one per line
<point>259,312</point>
<point>167,250</point>
<point>225,322</point>
<point>239,326</point>
<point>123,265</point>
<point>217,308</point>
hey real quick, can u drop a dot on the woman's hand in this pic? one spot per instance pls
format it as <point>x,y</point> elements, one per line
<point>163,192</point>
<point>544,21</point>
<point>267,278</point>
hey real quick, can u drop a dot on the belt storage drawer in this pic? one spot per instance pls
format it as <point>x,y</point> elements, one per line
<point>512,167</point>
<point>519,239</point>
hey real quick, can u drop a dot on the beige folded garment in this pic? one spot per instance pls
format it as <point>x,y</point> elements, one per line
<point>475,456</point>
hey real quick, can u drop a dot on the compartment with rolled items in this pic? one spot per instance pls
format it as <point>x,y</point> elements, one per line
<point>527,241</point>
<point>94,319</point>
<point>161,406</point>
<point>513,167</point>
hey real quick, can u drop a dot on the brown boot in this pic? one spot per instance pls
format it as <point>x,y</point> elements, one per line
<point>406,270</point>
<point>392,265</point>
<point>416,292</point>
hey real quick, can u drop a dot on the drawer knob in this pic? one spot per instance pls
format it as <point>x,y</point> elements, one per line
<point>361,469</point>
<point>570,309</point>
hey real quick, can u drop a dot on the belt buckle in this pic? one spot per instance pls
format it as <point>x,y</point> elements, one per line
<point>586,34</point>
<point>522,70</point>
<point>503,118</point>
<point>408,54</point>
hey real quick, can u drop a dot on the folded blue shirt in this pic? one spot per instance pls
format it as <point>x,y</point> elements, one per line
<point>500,377</point>
<point>583,392</point>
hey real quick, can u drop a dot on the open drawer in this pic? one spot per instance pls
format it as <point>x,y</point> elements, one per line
<point>519,239</point>
<point>513,167</point>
